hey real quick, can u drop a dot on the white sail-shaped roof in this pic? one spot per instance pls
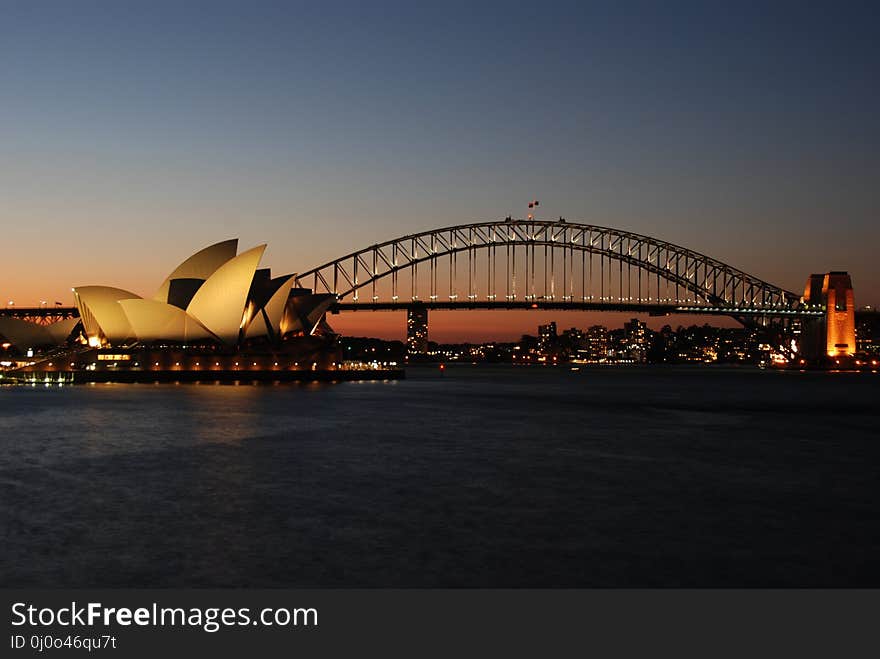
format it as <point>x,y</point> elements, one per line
<point>275,306</point>
<point>317,312</point>
<point>200,265</point>
<point>220,302</point>
<point>266,320</point>
<point>257,327</point>
<point>304,312</point>
<point>152,321</point>
<point>103,318</point>
<point>22,334</point>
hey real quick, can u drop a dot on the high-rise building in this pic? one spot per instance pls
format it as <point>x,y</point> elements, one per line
<point>596,344</point>
<point>547,336</point>
<point>635,334</point>
<point>417,330</point>
<point>868,335</point>
<point>573,335</point>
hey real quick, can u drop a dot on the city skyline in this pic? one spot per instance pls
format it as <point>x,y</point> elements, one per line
<point>633,342</point>
<point>323,133</point>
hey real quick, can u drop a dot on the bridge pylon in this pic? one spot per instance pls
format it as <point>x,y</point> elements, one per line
<point>831,336</point>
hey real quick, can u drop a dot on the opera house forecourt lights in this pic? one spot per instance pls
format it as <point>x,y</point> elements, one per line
<point>217,316</point>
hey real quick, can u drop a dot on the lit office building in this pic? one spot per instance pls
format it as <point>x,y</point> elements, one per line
<point>635,334</point>
<point>417,330</point>
<point>546,336</point>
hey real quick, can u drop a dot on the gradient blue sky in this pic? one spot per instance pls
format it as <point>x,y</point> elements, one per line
<point>135,133</point>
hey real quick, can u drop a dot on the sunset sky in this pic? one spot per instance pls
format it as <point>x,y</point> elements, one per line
<point>133,134</point>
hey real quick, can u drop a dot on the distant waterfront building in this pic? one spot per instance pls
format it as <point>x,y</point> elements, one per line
<point>635,334</point>
<point>573,335</point>
<point>868,336</point>
<point>417,330</point>
<point>596,345</point>
<point>547,336</point>
<point>698,344</point>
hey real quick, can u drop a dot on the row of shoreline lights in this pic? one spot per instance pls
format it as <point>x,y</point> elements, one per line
<point>239,365</point>
<point>314,365</point>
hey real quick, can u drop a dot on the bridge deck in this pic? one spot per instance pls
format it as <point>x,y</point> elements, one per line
<point>60,313</point>
<point>571,305</point>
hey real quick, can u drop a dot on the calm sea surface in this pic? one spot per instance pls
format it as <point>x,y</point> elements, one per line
<point>486,476</point>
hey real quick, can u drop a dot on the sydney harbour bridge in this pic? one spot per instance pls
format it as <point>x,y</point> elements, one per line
<point>537,264</point>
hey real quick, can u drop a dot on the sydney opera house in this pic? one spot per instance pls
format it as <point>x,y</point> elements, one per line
<point>216,296</point>
<point>217,311</point>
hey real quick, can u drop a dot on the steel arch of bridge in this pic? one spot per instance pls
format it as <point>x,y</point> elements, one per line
<point>660,273</point>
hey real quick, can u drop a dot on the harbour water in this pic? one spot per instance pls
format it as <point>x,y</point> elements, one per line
<point>482,476</point>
